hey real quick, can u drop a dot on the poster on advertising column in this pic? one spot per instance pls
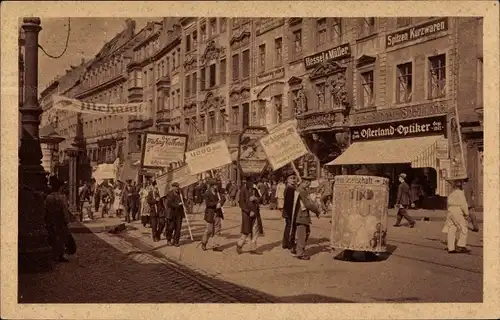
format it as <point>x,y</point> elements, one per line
<point>160,149</point>
<point>209,157</point>
<point>283,146</point>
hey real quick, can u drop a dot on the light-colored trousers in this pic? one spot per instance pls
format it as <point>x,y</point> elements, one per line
<point>213,230</point>
<point>253,236</point>
<point>455,221</point>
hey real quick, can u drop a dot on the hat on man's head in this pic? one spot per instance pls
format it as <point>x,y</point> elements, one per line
<point>175,184</point>
<point>211,181</point>
<point>403,175</point>
<point>128,180</point>
<point>307,178</point>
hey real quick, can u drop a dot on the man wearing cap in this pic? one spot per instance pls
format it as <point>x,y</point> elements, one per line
<point>213,215</point>
<point>249,203</point>
<point>289,201</point>
<point>403,201</point>
<point>302,218</point>
<point>174,214</point>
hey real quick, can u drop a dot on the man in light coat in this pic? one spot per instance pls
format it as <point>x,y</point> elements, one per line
<point>456,219</point>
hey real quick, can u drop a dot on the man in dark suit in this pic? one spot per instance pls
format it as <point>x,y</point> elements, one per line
<point>403,201</point>
<point>287,213</point>
<point>174,214</point>
<point>214,201</point>
<point>250,212</point>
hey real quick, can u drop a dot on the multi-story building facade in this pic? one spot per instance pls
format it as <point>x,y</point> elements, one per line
<point>211,77</point>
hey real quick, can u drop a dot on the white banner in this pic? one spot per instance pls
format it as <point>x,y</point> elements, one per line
<point>180,175</point>
<point>162,149</point>
<point>209,157</point>
<point>68,104</point>
<point>283,145</point>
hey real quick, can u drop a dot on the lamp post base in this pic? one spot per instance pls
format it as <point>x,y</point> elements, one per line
<point>34,252</point>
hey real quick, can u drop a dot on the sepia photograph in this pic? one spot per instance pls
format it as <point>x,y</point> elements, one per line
<point>247,159</point>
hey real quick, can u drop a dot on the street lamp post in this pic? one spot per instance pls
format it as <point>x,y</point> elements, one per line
<point>74,155</point>
<point>34,252</point>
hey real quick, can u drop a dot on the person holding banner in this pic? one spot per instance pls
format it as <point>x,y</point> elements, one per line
<point>214,201</point>
<point>174,214</point>
<point>250,212</point>
<point>289,202</point>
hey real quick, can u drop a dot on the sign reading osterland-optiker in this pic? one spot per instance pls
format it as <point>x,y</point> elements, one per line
<point>339,52</point>
<point>417,32</point>
<point>402,129</point>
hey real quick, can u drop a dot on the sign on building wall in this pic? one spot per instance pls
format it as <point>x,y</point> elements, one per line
<point>340,52</point>
<point>251,156</point>
<point>398,114</point>
<point>209,157</point>
<point>283,146</point>
<point>417,32</point>
<point>159,149</point>
<point>402,129</point>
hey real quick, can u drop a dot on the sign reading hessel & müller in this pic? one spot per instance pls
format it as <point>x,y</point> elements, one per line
<point>403,129</point>
<point>339,52</point>
<point>417,32</point>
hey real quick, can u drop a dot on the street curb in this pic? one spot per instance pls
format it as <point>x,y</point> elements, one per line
<point>79,227</point>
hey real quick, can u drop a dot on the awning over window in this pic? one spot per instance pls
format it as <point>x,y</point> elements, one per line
<point>420,152</point>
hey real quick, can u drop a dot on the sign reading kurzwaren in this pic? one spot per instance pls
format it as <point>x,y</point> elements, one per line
<point>208,157</point>
<point>283,146</point>
<point>403,129</point>
<point>339,52</point>
<point>417,32</point>
<point>159,149</point>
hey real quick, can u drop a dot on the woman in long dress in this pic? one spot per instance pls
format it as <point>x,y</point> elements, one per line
<point>145,207</point>
<point>118,203</point>
<point>456,219</point>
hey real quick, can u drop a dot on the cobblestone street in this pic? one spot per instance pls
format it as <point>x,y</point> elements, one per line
<point>101,273</point>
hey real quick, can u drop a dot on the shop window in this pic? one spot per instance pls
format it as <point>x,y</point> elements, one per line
<point>246,114</point>
<point>222,79</point>
<point>262,57</point>
<point>187,83</point>
<point>320,94</point>
<point>367,26</point>
<point>202,78</point>
<point>403,22</point>
<point>368,89</point>
<point>321,31</point>
<point>236,117</point>
<point>212,75</point>
<point>213,26</point>
<point>223,25</point>
<point>297,42</point>
<point>404,83</point>
<point>437,76</point>
<point>236,67</point>
<point>278,49</point>
<point>188,43</point>
<point>246,63</point>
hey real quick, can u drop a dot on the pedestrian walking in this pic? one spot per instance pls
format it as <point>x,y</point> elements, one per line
<point>97,197</point>
<point>471,201</point>
<point>118,200</point>
<point>57,218</point>
<point>214,201</point>
<point>273,200</point>
<point>280,194</point>
<point>289,201</point>
<point>174,214</point>
<point>456,218</point>
<point>154,209</point>
<point>302,217</point>
<point>403,201</point>
<point>250,213</point>
<point>134,200</point>
<point>145,207</point>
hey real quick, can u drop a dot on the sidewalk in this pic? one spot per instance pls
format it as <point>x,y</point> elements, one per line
<point>97,225</point>
<point>416,254</point>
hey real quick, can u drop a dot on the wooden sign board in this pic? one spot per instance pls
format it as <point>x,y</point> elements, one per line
<point>251,156</point>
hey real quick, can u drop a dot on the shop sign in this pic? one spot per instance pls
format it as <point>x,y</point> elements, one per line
<point>442,150</point>
<point>404,113</point>
<point>161,149</point>
<point>251,155</point>
<point>268,24</point>
<point>270,76</point>
<point>417,32</point>
<point>336,53</point>
<point>403,129</point>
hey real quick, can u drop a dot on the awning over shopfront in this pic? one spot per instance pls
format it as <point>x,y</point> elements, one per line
<point>420,152</point>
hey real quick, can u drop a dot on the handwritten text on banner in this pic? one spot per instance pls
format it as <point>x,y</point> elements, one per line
<point>283,146</point>
<point>209,157</point>
<point>160,150</point>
